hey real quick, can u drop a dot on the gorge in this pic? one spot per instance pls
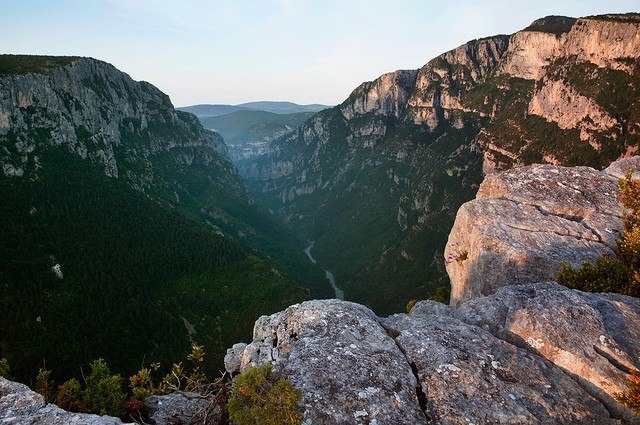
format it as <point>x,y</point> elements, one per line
<point>128,234</point>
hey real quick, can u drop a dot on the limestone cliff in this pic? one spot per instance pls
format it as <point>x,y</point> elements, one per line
<point>98,113</point>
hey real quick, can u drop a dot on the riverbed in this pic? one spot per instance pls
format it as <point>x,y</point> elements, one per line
<point>339,293</point>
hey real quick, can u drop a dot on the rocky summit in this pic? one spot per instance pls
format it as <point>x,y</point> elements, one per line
<point>526,222</point>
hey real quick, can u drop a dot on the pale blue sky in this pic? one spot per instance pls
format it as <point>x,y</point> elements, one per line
<point>234,51</point>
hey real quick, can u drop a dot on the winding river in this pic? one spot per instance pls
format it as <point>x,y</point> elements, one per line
<point>332,280</point>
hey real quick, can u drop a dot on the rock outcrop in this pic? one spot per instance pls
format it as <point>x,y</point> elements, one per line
<point>21,406</point>
<point>429,367</point>
<point>508,349</point>
<point>593,337</point>
<point>526,222</point>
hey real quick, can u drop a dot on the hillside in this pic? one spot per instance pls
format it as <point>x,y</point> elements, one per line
<point>376,180</point>
<point>266,106</point>
<point>248,133</point>
<point>157,238</point>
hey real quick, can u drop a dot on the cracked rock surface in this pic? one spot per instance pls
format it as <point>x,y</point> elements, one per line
<point>338,354</point>
<point>426,367</point>
<point>470,376</point>
<point>592,336</point>
<point>526,222</point>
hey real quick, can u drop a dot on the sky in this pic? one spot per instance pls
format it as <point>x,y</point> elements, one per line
<point>236,51</point>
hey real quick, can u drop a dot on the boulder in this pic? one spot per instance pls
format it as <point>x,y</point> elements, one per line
<point>526,222</point>
<point>467,375</point>
<point>347,367</point>
<point>594,337</point>
<point>19,405</point>
<point>184,408</point>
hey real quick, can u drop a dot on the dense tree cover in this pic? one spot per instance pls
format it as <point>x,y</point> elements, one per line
<point>140,280</point>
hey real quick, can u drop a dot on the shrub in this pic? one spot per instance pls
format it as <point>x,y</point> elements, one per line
<point>259,397</point>
<point>631,397</point>
<point>5,370</point>
<point>607,274</point>
<point>104,394</point>
<point>44,385</point>
<point>69,396</point>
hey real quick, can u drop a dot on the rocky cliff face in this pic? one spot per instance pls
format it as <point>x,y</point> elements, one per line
<point>375,181</point>
<point>94,111</point>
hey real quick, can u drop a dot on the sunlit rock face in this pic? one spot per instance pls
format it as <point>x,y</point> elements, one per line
<point>526,222</point>
<point>592,336</point>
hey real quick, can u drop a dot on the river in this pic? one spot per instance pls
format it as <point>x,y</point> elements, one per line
<point>332,280</point>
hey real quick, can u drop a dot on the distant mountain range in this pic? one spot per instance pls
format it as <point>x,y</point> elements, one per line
<point>267,106</point>
<point>248,128</point>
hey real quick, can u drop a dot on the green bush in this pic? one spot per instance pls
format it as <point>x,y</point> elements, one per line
<point>259,397</point>
<point>69,396</point>
<point>104,394</point>
<point>5,370</point>
<point>607,274</point>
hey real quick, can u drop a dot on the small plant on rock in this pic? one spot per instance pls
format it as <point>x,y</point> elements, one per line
<point>69,396</point>
<point>631,397</point>
<point>5,370</point>
<point>44,385</point>
<point>260,397</point>
<point>104,394</point>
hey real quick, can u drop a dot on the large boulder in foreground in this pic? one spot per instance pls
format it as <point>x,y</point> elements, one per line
<point>470,376</point>
<point>526,222</point>
<point>348,368</point>
<point>427,367</point>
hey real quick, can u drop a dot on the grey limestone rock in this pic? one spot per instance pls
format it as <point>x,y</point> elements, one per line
<point>592,336</point>
<point>233,358</point>
<point>21,406</point>
<point>469,376</point>
<point>183,408</point>
<point>426,367</point>
<point>526,222</point>
<point>347,367</point>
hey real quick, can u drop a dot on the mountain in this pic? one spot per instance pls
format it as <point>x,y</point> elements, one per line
<point>267,106</point>
<point>127,233</point>
<point>247,133</point>
<point>376,180</point>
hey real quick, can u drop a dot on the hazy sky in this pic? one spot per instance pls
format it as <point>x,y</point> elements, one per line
<point>234,51</point>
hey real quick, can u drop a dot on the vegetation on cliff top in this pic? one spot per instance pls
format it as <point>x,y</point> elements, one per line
<point>25,64</point>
